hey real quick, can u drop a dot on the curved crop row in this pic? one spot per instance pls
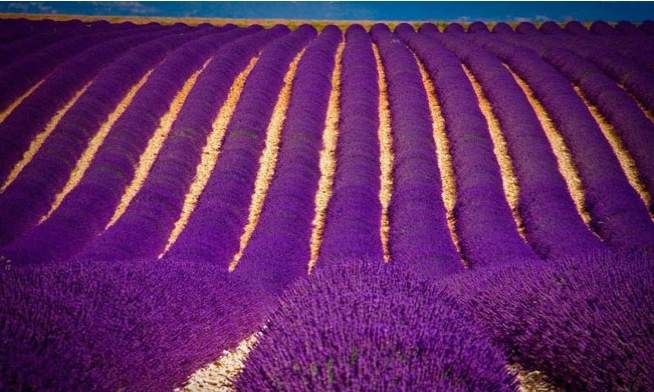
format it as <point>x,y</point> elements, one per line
<point>633,128</point>
<point>14,30</point>
<point>633,45</point>
<point>627,41</point>
<point>212,233</point>
<point>481,203</point>
<point>94,199</point>
<point>18,77</point>
<point>143,229</point>
<point>552,225</point>
<point>278,250</point>
<point>634,77</point>
<point>74,133</point>
<point>268,158</point>
<point>327,159</point>
<point>507,170</point>
<point>619,216</point>
<point>418,229</point>
<point>34,112</point>
<point>18,49</point>
<point>352,226</point>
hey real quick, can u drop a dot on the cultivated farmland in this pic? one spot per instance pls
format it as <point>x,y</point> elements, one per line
<point>382,208</point>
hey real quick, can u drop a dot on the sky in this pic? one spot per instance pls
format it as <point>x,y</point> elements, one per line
<point>355,10</point>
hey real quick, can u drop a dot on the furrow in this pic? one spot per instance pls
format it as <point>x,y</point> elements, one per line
<point>561,151</point>
<point>480,199</point>
<point>443,155</point>
<point>509,179</point>
<point>552,225</point>
<point>531,381</point>
<point>145,227</point>
<point>419,236</point>
<point>625,159</point>
<point>221,374</point>
<point>629,122</point>
<point>94,199</point>
<point>618,216</point>
<point>147,158</point>
<point>268,159</point>
<point>213,231</point>
<point>41,137</point>
<point>210,153</point>
<point>7,112</point>
<point>29,118</point>
<point>327,160</point>
<point>17,78</point>
<point>279,247</point>
<point>86,159</point>
<point>61,151</point>
<point>384,133</point>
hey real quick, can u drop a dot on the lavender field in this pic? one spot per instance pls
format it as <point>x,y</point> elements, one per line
<point>395,207</point>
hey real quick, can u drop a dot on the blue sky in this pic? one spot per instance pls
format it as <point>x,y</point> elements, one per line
<point>439,11</point>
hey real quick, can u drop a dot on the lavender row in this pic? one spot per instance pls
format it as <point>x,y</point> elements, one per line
<point>552,225</point>
<point>635,78</point>
<point>10,52</point>
<point>144,227</point>
<point>631,43</point>
<point>486,228</point>
<point>212,233</point>
<point>278,250</point>
<point>62,149</point>
<point>16,50</point>
<point>620,217</point>
<point>624,59</point>
<point>17,78</point>
<point>28,119</point>
<point>634,43</point>
<point>418,229</point>
<point>136,325</point>
<point>12,30</point>
<point>95,198</point>
<point>354,211</point>
<point>634,129</point>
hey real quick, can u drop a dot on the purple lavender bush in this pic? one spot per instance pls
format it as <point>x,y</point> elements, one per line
<point>619,216</point>
<point>279,248</point>
<point>132,325</point>
<point>586,321</point>
<point>362,325</point>
<point>143,229</point>
<point>212,233</point>
<point>552,225</point>
<point>480,200</point>
<point>33,114</point>
<point>95,198</point>
<point>60,151</point>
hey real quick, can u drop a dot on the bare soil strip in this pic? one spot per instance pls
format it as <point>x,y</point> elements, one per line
<point>268,159</point>
<point>210,153</point>
<point>385,153</point>
<point>39,139</point>
<point>327,160</point>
